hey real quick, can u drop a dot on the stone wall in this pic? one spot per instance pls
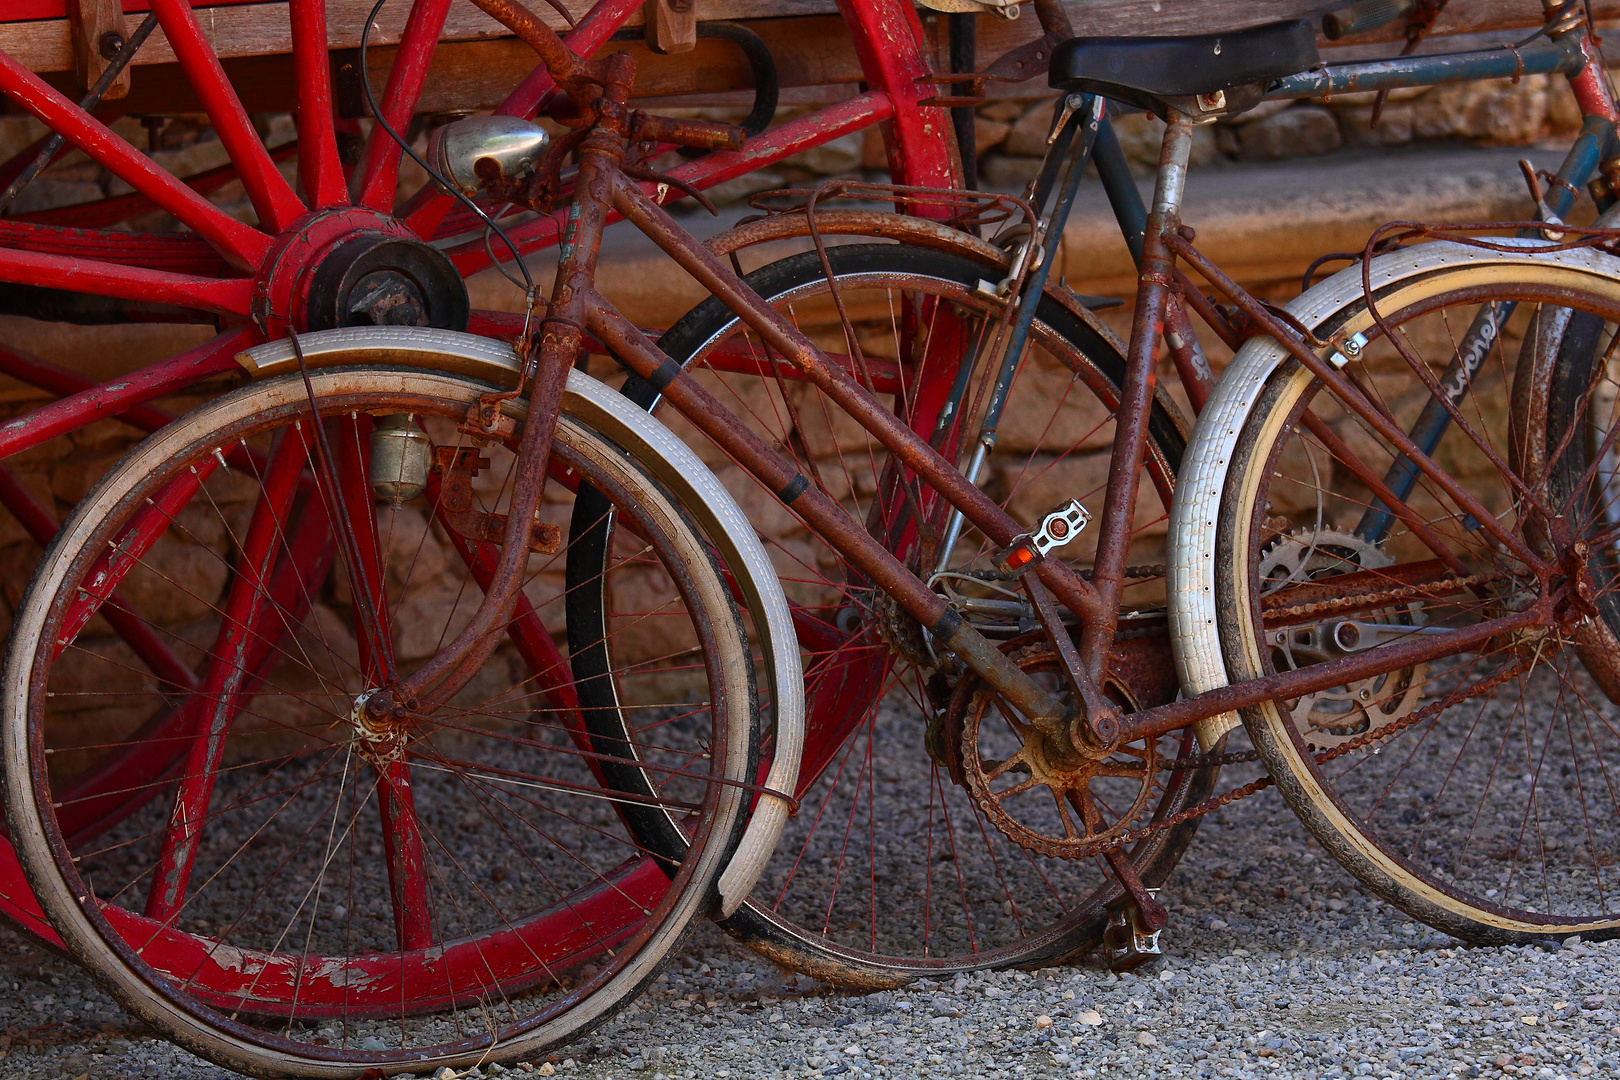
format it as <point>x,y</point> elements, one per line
<point>1011,137</point>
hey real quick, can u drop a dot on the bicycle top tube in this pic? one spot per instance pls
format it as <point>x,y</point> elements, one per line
<point>1563,56</point>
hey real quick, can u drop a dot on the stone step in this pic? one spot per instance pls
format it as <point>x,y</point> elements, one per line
<point>1264,224</point>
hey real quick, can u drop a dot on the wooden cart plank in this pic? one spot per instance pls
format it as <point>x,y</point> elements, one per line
<point>478,65</point>
<point>258,29</point>
<point>264,29</point>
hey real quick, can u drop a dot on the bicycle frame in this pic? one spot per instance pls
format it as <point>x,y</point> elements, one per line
<point>1158,239</point>
<point>577,307</point>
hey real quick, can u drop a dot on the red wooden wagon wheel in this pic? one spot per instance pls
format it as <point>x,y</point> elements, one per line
<point>325,249</point>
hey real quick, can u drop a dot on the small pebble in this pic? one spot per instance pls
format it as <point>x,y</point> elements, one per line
<point>1282,988</point>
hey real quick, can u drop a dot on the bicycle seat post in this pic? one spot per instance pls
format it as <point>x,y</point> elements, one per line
<point>1154,284</point>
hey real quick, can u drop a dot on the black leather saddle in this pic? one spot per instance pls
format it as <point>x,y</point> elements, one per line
<point>1160,72</point>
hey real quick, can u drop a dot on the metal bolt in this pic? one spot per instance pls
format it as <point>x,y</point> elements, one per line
<point>110,45</point>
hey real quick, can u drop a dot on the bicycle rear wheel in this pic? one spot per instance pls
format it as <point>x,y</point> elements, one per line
<point>317,892</point>
<point>891,871</point>
<point>1473,791</point>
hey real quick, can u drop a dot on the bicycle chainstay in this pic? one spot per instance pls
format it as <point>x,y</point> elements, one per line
<point>1417,716</point>
<point>1322,607</point>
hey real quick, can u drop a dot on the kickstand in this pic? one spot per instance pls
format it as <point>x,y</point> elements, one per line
<point>1135,920</point>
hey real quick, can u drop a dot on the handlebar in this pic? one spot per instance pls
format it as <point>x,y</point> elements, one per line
<point>1364,15</point>
<point>564,66</point>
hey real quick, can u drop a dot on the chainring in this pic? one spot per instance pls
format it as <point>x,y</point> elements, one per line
<point>1329,718</point>
<point>1048,798</point>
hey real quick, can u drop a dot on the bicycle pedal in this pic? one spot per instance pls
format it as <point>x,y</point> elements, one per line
<point>1058,528</point>
<point>1127,943</point>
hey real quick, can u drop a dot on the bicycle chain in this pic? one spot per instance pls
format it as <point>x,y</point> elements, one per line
<point>1399,592</point>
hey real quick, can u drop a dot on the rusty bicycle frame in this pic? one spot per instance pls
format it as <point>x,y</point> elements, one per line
<point>577,309</point>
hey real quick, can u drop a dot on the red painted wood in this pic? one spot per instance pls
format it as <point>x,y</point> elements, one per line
<point>177,253</point>
<point>113,397</point>
<point>128,781</point>
<point>893,51</point>
<point>277,205</point>
<point>396,803</point>
<point>229,670</point>
<point>148,524</point>
<point>525,954</point>
<point>18,10</point>
<point>152,649</point>
<point>379,172</point>
<point>319,170</point>
<point>242,245</point>
<point>17,901</point>
<point>111,211</point>
<point>62,382</point>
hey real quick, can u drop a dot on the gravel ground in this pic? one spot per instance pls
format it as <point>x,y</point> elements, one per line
<point>1276,965</point>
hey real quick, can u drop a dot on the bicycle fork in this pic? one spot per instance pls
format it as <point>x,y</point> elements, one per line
<point>1595,146</point>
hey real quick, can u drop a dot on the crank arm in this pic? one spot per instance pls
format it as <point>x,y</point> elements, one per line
<point>1335,638</point>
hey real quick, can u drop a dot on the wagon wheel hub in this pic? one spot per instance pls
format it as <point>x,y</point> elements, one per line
<point>353,267</point>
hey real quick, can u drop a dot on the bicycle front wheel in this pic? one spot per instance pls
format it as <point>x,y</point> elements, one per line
<point>1474,790</point>
<point>892,870</point>
<point>312,890</point>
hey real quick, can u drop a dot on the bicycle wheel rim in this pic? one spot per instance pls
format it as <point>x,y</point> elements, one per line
<point>1399,821</point>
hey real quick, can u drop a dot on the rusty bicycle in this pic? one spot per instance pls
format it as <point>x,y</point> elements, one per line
<point>1390,541</point>
<point>941,888</point>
